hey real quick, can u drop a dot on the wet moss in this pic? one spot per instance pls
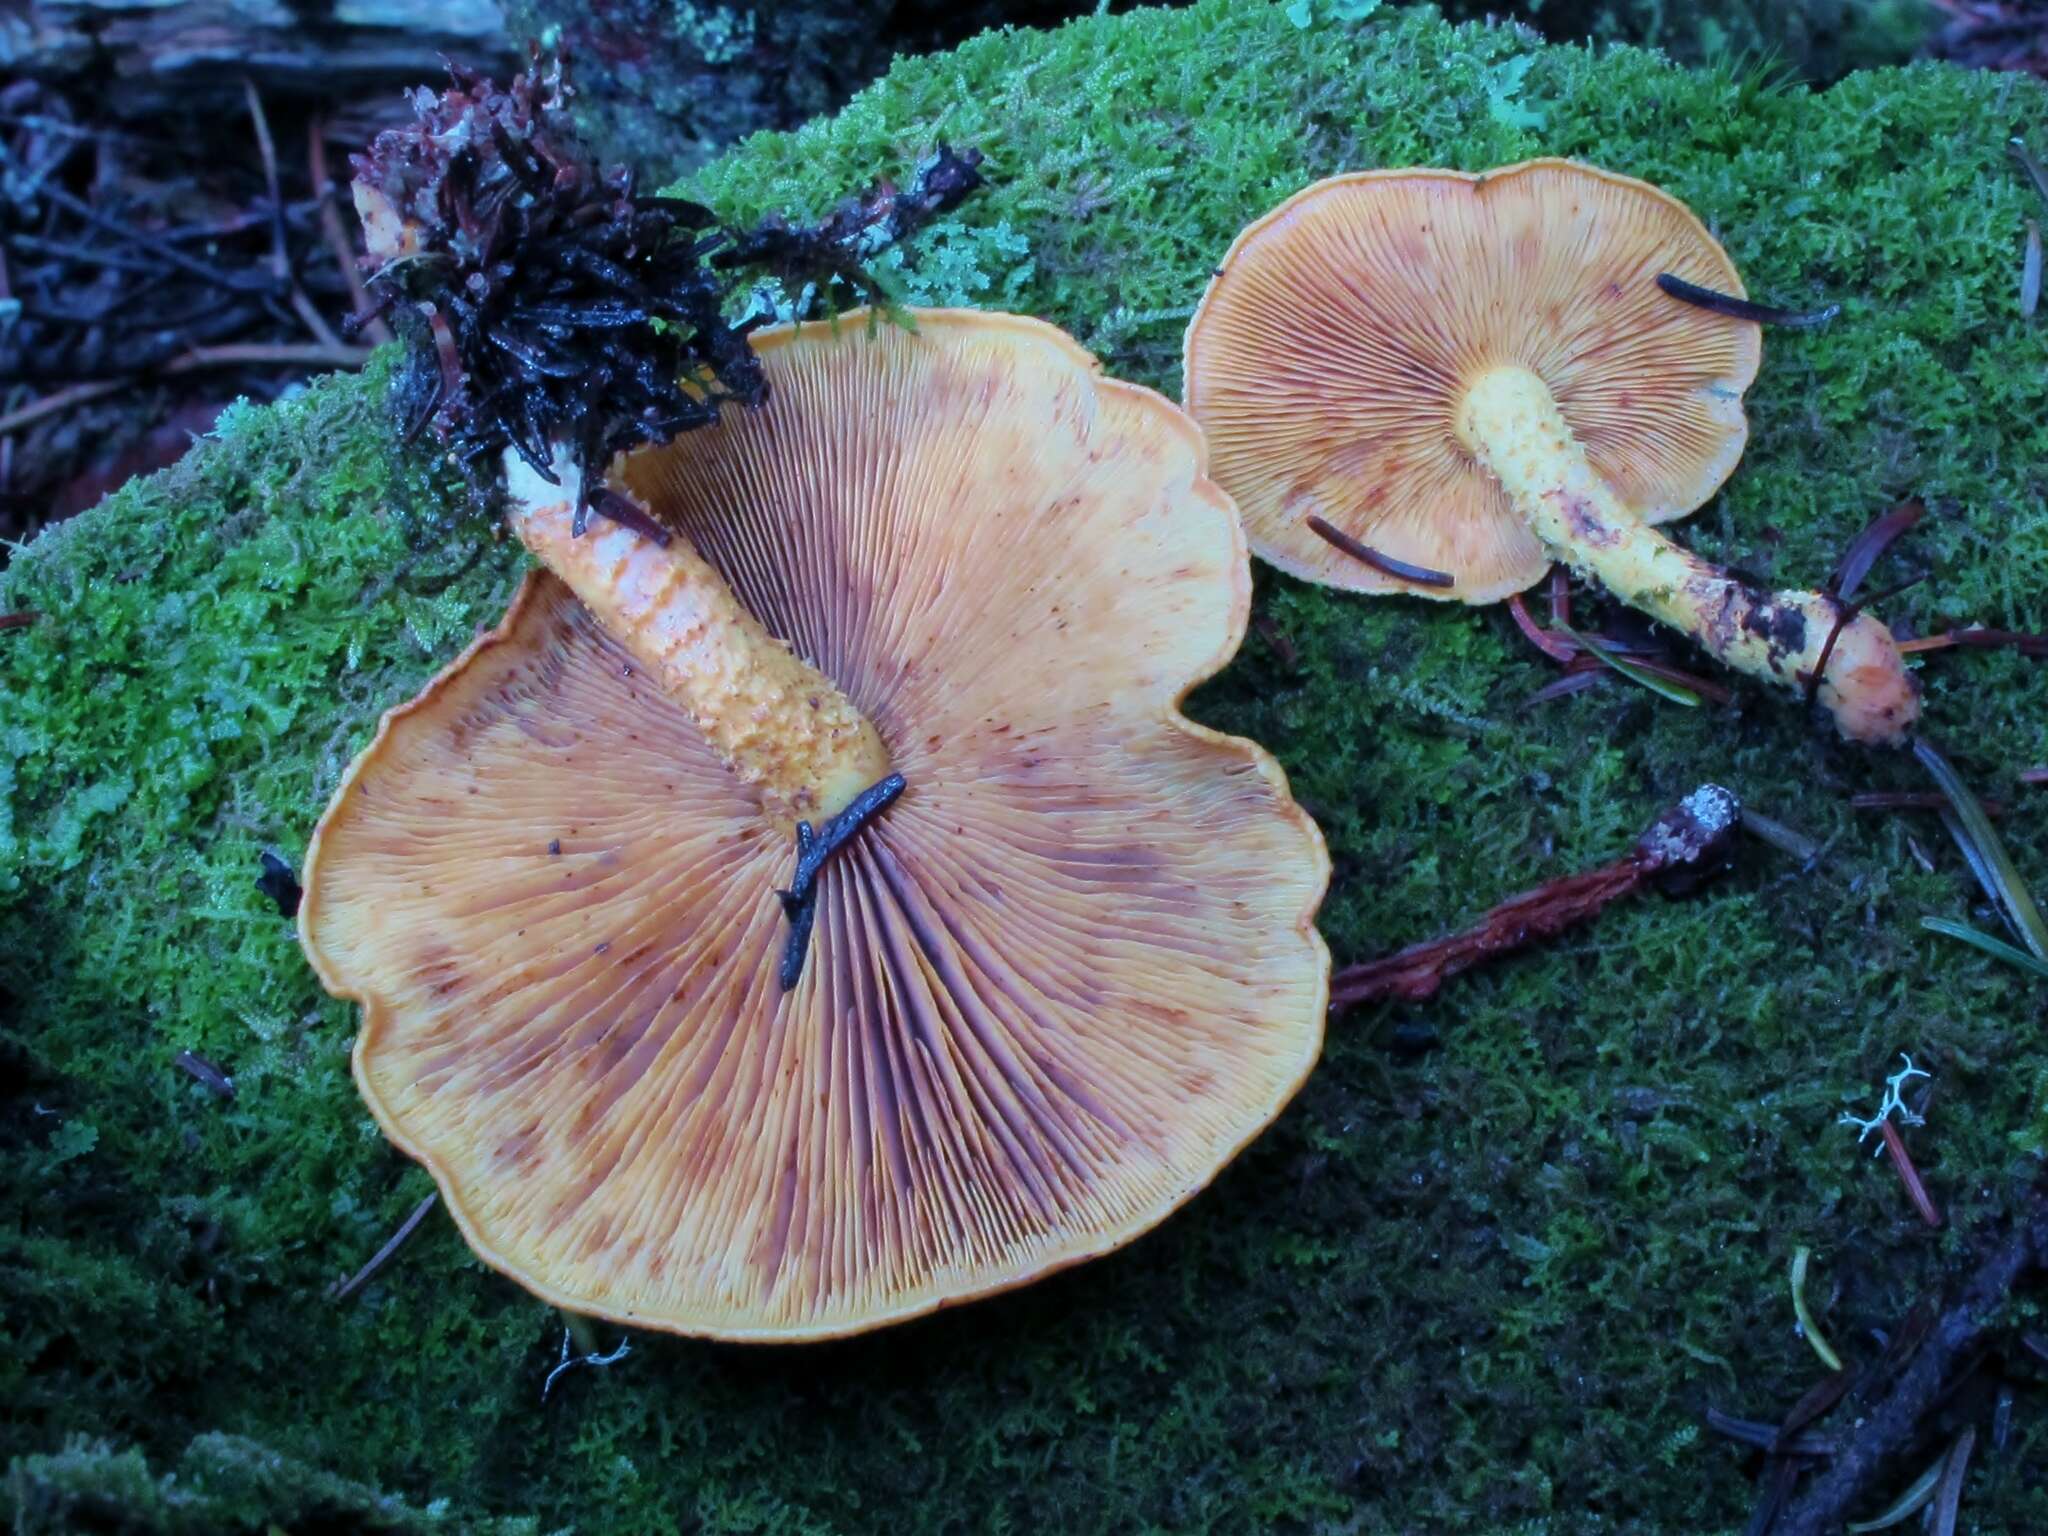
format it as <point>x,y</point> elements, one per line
<point>1489,1285</point>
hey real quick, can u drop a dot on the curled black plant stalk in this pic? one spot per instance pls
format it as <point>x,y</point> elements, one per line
<point>545,306</point>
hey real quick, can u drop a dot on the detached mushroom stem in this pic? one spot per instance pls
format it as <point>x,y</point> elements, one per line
<point>1511,423</point>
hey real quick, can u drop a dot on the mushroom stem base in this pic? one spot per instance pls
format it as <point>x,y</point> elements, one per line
<point>1511,423</point>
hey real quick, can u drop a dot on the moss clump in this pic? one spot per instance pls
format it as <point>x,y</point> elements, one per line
<point>1487,1287</point>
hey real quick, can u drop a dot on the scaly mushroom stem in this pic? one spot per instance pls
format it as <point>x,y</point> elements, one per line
<point>1511,424</point>
<point>778,722</point>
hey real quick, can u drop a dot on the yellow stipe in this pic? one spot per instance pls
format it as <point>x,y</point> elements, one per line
<point>1511,424</point>
<point>779,723</point>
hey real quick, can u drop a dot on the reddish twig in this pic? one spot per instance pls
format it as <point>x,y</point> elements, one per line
<point>20,619</point>
<point>1691,836</point>
<point>1979,639</point>
<point>1555,647</point>
<point>1916,1190</point>
<point>1877,536</point>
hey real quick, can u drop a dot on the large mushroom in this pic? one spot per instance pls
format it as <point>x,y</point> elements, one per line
<point>1068,975</point>
<point>1478,375</point>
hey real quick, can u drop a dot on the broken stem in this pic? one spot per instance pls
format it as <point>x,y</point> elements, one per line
<point>1692,835</point>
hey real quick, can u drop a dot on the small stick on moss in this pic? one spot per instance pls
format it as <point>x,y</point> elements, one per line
<point>2034,775</point>
<point>2030,272</point>
<point>1958,1336</point>
<point>1978,638</point>
<point>1913,800</point>
<point>217,1082</point>
<point>1689,840</point>
<point>382,1256</point>
<point>1916,1189</point>
<point>1781,837</point>
<point>1422,576</point>
<point>1745,309</point>
<point>1895,1144</point>
<point>20,619</point>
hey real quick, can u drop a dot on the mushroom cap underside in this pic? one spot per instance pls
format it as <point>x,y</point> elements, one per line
<point>1328,357</point>
<point>1050,993</point>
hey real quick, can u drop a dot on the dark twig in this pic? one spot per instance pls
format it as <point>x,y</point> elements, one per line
<point>1387,565</point>
<point>1914,800</point>
<point>813,848</point>
<point>1765,1437</point>
<point>1688,841</point>
<point>217,1082</point>
<point>1745,309</point>
<point>20,619</point>
<point>1957,1338</point>
<point>355,1282</point>
<point>1877,536</point>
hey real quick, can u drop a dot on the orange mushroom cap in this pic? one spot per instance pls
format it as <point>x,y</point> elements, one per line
<point>1063,981</point>
<point>1329,355</point>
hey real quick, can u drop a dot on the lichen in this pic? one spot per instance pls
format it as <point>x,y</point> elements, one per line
<point>1486,1286</point>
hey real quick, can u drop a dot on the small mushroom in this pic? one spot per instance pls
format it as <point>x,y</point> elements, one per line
<point>1477,376</point>
<point>1069,975</point>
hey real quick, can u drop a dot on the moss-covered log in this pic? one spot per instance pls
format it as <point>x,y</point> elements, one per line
<point>1490,1286</point>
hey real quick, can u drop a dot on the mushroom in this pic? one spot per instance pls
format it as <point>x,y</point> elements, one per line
<point>1070,974</point>
<point>1478,375</point>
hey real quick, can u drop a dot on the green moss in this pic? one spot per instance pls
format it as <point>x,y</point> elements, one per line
<point>1489,1287</point>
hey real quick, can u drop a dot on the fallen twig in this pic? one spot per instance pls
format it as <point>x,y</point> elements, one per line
<point>346,1288</point>
<point>261,352</point>
<point>1914,800</point>
<point>1980,639</point>
<point>1955,1339</point>
<point>1690,838</point>
<point>217,1082</point>
<point>62,400</point>
<point>336,236</point>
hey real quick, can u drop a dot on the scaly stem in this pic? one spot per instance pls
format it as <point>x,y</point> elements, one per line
<point>778,722</point>
<point>1511,424</point>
